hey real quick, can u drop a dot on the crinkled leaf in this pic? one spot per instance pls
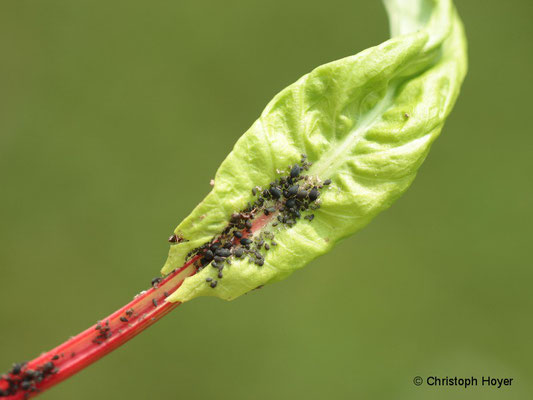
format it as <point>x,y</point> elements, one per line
<point>366,122</point>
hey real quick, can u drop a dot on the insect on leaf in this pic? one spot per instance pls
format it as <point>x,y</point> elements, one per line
<point>365,124</point>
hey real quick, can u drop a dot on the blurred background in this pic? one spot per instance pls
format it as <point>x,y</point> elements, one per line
<point>114,116</point>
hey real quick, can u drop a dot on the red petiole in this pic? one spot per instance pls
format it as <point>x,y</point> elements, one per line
<point>28,380</point>
<point>50,368</point>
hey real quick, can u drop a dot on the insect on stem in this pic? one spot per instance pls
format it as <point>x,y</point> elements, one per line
<point>26,380</point>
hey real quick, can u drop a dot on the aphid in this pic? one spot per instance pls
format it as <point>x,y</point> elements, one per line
<point>291,203</point>
<point>267,246</point>
<point>275,223</point>
<point>220,275</point>
<point>154,302</point>
<point>313,194</point>
<point>238,252</point>
<point>273,243</point>
<point>47,367</point>
<point>165,294</point>
<point>246,241</point>
<point>223,252</point>
<point>293,190</point>
<point>295,171</point>
<point>16,369</point>
<point>254,191</point>
<point>25,385</point>
<point>271,209</point>
<point>208,255</point>
<point>275,192</point>
<point>228,261</point>
<point>214,284</point>
<point>327,182</point>
<point>208,279</point>
<point>124,319</point>
<point>215,246</point>
<point>56,357</point>
<point>237,234</point>
<point>248,223</point>
<point>260,262</point>
<point>129,312</point>
<point>302,194</point>
<point>156,281</point>
<point>310,217</point>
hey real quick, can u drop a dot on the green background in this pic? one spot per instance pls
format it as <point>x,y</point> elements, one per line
<point>114,116</point>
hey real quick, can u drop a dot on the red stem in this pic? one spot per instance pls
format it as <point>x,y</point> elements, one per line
<point>92,344</point>
<point>108,334</point>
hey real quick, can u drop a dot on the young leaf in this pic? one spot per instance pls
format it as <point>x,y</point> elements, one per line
<point>366,122</point>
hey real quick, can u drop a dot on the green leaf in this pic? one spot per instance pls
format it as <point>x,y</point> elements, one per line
<point>366,122</point>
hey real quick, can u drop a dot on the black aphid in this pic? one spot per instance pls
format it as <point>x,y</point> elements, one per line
<point>267,246</point>
<point>310,217</point>
<point>237,234</point>
<point>49,366</point>
<point>208,255</point>
<point>295,171</point>
<point>327,182</point>
<point>302,194</point>
<point>275,192</point>
<point>154,302</point>
<point>208,279</point>
<point>214,284</point>
<point>156,281</point>
<point>260,262</point>
<point>293,190</point>
<point>291,203</point>
<point>313,194</point>
<point>56,357</point>
<point>124,319</point>
<point>248,223</point>
<point>238,252</point>
<point>246,241</point>
<point>16,369</point>
<point>254,191</point>
<point>223,252</point>
<point>220,275</point>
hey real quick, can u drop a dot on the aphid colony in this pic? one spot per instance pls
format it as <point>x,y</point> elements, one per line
<point>282,203</point>
<point>20,378</point>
